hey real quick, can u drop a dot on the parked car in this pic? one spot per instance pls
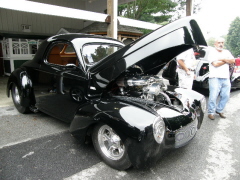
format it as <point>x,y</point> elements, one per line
<point>110,93</point>
<point>202,71</point>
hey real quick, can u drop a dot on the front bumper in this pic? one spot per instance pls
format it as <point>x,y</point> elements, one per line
<point>147,152</point>
<point>185,134</point>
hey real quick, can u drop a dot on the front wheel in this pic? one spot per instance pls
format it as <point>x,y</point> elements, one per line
<point>110,147</point>
<point>17,100</point>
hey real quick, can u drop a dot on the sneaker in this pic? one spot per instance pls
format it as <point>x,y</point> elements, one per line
<point>211,116</point>
<point>221,115</point>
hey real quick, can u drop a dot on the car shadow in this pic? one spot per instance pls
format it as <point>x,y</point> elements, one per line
<point>202,91</point>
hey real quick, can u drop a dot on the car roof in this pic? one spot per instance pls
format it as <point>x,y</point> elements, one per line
<point>71,36</point>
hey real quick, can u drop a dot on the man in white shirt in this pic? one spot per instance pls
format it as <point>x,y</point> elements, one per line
<point>186,68</point>
<point>219,82</point>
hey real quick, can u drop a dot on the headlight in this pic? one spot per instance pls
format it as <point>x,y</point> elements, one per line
<point>158,129</point>
<point>203,104</point>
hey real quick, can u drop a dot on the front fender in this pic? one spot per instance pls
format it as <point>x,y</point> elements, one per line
<point>134,125</point>
<point>127,120</point>
<point>24,84</point>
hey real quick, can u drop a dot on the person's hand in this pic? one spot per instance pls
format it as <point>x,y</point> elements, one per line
<point>188,72</point>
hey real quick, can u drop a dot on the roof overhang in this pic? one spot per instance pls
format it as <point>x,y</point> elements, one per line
<point>47,9</point>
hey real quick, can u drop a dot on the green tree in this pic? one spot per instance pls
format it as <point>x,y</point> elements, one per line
<point>144,10</point>
<point>155,11</point>
<point>233,37</point>
<point>180,9</point>
<point>100,53</point>
<point>211,41</point>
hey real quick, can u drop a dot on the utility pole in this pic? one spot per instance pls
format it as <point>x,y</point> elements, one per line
<point>189,7</point>
<point>112,18</point>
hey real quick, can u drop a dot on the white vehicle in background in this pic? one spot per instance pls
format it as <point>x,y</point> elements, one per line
<point>202,71</point>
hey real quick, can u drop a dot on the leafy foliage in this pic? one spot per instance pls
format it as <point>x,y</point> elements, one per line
<point>99,53</point>
<point>144,9</point>
<point>233,37</point>
<point>180,10</point>
<point>211,41</point>
<point>155,11</point>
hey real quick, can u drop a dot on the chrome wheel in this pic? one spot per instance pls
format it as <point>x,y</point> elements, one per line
<point>110,147</point>
<point>110,143</point>
<point>16,95</point>
<point>17,100</point>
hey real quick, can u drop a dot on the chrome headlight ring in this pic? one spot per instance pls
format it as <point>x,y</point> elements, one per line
<point>158,129</point>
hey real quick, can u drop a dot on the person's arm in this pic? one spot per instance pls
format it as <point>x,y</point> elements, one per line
<point>222,62</point>
<point>183,66</point>
<point>229,61</point>
<point>218,63</point>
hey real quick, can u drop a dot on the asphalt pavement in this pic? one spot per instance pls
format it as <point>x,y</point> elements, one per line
<point>23,126</point>
<point>4,101</point>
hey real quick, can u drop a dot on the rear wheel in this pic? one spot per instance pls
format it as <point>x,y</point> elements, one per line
<point>110,147</point>
<point>76,94</point>
<point>17,100</point>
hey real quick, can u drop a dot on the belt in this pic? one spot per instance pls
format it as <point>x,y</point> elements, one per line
<point>188,68</point>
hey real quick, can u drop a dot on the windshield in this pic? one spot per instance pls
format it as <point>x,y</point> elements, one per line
<point>93,53</point>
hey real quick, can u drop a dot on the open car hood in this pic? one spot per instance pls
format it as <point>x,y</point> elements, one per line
<point>151,52</point>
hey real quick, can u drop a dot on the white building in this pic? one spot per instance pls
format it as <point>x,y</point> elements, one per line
<point>22,32</point>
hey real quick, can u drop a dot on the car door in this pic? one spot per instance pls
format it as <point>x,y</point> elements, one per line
<point>59,90</point>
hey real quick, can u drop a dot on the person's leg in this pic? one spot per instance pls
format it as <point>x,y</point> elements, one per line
<point>181,78</point>
<point>224,94</point>
<point>190,80</point>
<point>185,81</point>
<point>214,89</point>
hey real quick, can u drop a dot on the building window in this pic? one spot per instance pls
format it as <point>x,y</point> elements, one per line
<point>5,47</point>
<point>26,28</point>
<point>20,46</point>
<point>24,48</point>
<point>16,49</point>
<point>33,48</point>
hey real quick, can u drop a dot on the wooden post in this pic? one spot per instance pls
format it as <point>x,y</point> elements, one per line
<point>112,6</point>
<point>189,7</point>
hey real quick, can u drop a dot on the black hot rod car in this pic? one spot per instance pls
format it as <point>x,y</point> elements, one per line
<point>111,94</point>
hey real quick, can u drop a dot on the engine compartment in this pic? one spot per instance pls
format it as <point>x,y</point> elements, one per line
<point>146,88</point>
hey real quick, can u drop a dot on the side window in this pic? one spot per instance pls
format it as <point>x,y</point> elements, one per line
<point>62,54</point>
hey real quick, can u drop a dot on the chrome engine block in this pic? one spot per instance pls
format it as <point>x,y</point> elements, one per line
<point>148,87</point>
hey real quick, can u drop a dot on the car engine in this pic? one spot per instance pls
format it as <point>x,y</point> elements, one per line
<point>145,87</point>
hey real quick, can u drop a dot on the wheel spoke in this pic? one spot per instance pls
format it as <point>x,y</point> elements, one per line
<point>110,143</point>
<point>106,137</point>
